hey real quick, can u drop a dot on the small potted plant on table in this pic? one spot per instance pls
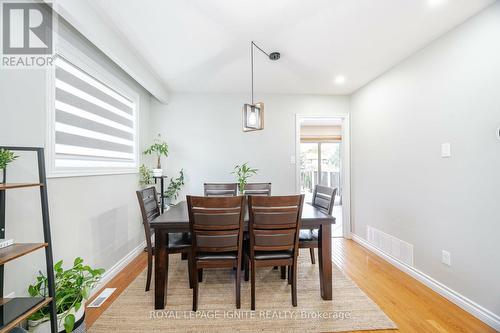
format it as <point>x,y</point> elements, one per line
<point>174,188</point>
<point>243,172</point>
<point>73,287</point>
<point>158,148</point>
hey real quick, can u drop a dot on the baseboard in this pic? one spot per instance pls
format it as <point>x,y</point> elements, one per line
<point>118,267</point>
<point>468,305</point>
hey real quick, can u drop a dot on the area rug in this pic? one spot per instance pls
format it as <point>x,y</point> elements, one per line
<point>350,309</point>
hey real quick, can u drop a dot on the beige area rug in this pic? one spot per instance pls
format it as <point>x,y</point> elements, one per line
<point>350,310</point>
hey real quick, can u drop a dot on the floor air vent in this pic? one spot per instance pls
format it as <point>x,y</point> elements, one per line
<point>391,245</point>
<point>97,302</point>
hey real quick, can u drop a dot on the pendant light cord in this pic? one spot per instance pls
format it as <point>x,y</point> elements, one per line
<point>252,44</point>
<point>251,57</point>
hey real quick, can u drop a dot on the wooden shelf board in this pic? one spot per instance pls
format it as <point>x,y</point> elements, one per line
<point>9,186</point>
<point>17,250</point>
<point>24,315</point>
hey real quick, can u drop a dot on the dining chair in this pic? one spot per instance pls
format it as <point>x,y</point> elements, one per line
<point>323,199</point>
<point>258,189</point>
<point>220,189</point>
<point>216,225</point>
<point>274,226</point>
<point>177,242</point>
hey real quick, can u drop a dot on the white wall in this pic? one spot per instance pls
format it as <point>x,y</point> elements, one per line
<point>205,135</point>
<point>96,217</point>
<point>448,92</point>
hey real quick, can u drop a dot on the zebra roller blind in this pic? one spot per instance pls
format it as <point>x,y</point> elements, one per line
<point>95,125</point>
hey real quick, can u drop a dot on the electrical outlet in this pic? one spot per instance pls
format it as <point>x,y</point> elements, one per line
<point>446,258</point>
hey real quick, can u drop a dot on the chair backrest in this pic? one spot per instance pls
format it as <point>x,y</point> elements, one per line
<point>216,223</point>
<point>258,189</point>
<point>220,189</point>
<point>324,198</point>
<point>148,203</point>
<point>274,222</point>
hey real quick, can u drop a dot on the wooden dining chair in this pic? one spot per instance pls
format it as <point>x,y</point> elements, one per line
<point>258,189</point>
<point>177,242</point>
<point>274,236</point>
<point>216,225</point>
<point>220,189</point>
<point>323,199</point>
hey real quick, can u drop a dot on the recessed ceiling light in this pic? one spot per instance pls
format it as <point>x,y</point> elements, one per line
<point>436,3</point>
<point>339,79</point>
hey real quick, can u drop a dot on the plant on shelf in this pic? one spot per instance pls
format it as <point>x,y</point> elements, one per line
<point>174,187</point>
<point>6,156</point>
<point>73,287</point>
<point>243,172</point>
<point>145,178</point>
<point>158,148</point>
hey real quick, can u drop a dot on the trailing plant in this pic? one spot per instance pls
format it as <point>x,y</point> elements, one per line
<point>6,156</point>
<point>243,172</point>
<point>72,286</point>
<point>158,148</point>
<point>145,177</point>
<point>175,186</point>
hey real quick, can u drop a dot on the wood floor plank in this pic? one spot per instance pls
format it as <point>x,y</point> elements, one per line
<point>410,304</point>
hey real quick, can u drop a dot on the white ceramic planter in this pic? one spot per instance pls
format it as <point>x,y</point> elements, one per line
<point>157,172</point>
<point>43,326</point>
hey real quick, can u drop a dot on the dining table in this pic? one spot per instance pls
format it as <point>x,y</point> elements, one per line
<point>176,219</point>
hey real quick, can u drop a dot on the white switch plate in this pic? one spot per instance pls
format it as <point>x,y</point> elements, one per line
<point>292,159</point>
<point>446,258</point>
<point>446,150</point>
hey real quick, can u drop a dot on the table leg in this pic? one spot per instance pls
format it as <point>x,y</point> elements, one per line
<point>325,261</point>
<point>160,268</point>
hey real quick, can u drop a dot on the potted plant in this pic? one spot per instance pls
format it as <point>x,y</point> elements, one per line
<point>243,172</point>
<point>145,176</point>
<point>158,148</point>
<point>6,156</point>
<point>73,287</point>
<point>174,187</point>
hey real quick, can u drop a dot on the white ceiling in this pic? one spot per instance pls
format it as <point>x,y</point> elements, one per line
<point>203,45</point>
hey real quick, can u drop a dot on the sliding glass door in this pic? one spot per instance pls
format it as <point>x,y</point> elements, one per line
<point>319,164</point>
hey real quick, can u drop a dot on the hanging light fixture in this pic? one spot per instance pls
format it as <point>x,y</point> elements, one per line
<point>253,114</point>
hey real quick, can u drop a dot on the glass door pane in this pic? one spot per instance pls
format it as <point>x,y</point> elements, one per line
<point>308,167</point>
<point>330,164</point>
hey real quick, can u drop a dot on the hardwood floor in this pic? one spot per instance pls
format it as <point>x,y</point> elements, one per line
<point>410,304</point>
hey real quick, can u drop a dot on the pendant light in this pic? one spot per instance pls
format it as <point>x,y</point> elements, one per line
<point>253,113</point>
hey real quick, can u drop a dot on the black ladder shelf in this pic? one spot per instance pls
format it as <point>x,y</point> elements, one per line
<point>21,308</point>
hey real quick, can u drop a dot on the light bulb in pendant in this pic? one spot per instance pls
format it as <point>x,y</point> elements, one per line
<point>252,118</point>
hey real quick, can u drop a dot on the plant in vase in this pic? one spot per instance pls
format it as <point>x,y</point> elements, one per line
<point>174,187</point>
<point>73,287</point>
<point>243,172</point>
<point>158,148</point>
<point>6,157</point>
<point>145,178</point>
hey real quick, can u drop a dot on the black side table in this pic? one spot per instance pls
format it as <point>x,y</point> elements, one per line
<point>162,191</point>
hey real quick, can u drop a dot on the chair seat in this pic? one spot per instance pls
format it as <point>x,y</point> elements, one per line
<point>269,255</point>
<point>179,240</point>
<point>308,235</point>
<point>217,256</point>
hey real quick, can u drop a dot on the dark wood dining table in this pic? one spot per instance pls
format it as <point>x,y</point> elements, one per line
<point>176,219</point>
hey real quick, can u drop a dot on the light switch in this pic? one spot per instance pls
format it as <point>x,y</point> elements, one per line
<point>292,159</point>
<point>446,150</point>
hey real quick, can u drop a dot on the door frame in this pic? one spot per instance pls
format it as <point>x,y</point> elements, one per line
<point>345,155</point>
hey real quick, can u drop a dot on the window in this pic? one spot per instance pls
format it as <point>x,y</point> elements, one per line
<point>93,126</point>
